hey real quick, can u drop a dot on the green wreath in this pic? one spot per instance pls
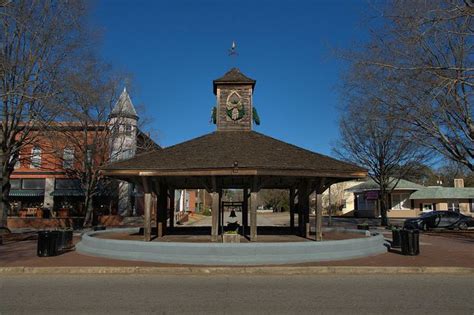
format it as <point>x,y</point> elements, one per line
<point>241,113</point>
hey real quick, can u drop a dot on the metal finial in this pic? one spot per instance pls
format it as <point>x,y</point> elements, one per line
<point>233,49</point>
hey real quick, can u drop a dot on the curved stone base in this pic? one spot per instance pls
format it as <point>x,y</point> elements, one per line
<point>230,254</point>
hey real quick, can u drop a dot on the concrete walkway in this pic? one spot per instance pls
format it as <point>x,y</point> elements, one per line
<point>437,250</point>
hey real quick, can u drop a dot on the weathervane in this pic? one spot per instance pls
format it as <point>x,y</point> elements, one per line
<point>233,50</point>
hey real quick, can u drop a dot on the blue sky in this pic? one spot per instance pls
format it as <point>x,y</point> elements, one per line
<point>174,49</point>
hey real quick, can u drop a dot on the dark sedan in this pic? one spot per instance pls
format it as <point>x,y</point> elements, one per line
<point>440,220</point>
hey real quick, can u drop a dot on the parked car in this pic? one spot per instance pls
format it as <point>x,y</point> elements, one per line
<point>441,220</point>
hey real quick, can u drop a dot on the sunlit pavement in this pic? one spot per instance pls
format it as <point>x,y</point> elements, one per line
<point>326,294</point>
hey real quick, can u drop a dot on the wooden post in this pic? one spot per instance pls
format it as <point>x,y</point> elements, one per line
<point>245,211</point>
<point>306,218</point>
<point>171,213</point>
<point>215,216</point>
<point>147,217</point>
<point>292,209</point>
<point>303,204</point>
<point>161,211</point>
<point>319,216</point>
<point>253,216</point>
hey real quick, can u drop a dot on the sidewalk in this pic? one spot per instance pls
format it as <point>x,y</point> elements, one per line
<point>437,250</point>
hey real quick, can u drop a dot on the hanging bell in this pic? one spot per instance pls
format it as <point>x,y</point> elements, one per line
<point>232,214</point>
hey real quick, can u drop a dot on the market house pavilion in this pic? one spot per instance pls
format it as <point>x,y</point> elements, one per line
<point>233,157</point>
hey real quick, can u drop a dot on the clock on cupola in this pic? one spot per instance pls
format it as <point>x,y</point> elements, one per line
<point>234,109</point>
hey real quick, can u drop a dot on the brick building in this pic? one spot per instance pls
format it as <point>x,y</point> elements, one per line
<point>42,178</point>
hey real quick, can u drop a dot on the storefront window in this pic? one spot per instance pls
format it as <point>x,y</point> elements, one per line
<point>67,184</point>
<point>33,184</point>
<point>15,184</point>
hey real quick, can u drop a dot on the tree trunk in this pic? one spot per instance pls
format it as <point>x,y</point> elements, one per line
<point>383,209</point>
<point>89,211</point>
<point>4,192</point>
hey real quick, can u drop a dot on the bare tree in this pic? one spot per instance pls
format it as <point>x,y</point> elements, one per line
<point>278,199</point>
<point>422,53</point>
<point>94,130</point>
<point>38,40</point>
<point>379,144</point>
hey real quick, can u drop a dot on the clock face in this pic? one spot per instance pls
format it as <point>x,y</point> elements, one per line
<point>234,107</point>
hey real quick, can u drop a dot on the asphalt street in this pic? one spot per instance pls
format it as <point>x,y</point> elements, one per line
<point>328,294</point>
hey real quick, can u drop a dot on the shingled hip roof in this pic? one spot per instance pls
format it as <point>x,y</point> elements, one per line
<point>370,185</point>
<point>444,193</point>
<point>233,76</point>
<point>236,149</point>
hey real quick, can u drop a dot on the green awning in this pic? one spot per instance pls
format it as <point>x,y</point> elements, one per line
<point>67,193</point>
<point>26,193</point>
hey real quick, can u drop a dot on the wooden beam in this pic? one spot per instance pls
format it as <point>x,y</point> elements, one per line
<point>230,172</point>
<point>146,184</point>
<point>245,211</point>
<point>253,210</point>
<point>321,186</point>
<point>292,209</point>
<point>303,205</point>
<point>253,216</point>
<point>215,216</point>
<point>319,216</point>
<point>161,210</point>
<point>147,217</point>
<point>171,209</point>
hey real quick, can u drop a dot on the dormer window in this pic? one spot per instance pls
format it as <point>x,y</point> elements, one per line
<point>128,129</point>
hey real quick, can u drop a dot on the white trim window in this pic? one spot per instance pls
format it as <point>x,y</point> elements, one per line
<point>89,156</point>
<point>364,204</point>
<point>400,201</point>
<point>453,205</point>
<point>68,158</point>
<point>428,207</point>
<point>35,157</point>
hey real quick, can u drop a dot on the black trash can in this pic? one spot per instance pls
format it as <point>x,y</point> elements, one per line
<point>46,213</point>
<point>47,243</point>
<point>396,238</point>
<point>410,240</point>
<point>65,239</point>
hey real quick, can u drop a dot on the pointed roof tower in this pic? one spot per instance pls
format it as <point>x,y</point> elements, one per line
<point>232,77</point>
<point>124,107</point>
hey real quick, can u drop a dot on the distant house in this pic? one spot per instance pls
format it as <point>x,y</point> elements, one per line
<point>409,199</point>
<point>339,198</point>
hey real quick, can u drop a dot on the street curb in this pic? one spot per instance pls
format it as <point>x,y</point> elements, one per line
<point>196,271</point>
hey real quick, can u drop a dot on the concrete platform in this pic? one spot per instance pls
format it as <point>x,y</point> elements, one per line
<point>198,253</point>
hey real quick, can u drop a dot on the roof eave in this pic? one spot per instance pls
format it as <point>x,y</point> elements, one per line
<point>233,172</point>
<point>215,83</point>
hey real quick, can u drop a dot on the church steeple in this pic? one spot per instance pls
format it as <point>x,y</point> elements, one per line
<point>234,109</point>
<point>124,107</point>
